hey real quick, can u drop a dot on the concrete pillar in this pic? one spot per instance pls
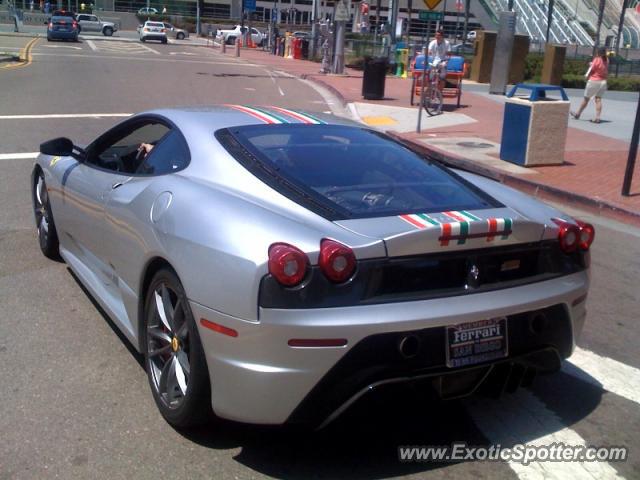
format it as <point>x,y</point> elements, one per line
<point>553,66</point>
<point>483,61</point>
<point>518,58</point>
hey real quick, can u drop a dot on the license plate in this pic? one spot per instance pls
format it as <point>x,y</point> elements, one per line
<point>476,342</point>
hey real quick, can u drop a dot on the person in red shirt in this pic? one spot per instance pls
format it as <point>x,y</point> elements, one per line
<point>596,84</point>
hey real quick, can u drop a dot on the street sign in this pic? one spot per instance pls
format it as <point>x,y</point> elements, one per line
<point>430,16</point>
<point>431,4</point>
<point>249,5</point>
<point>342,12</point>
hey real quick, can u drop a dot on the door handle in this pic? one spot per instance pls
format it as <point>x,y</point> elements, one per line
<point>116,185</point>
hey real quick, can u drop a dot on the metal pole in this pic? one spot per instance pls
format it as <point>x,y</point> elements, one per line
<point>314,29</point>
<point>549,20</point>
<point>467,6</point>
<point>625,5</point>
<point>375,33</point>
<point>198,18</point>
<point>393,6</point>
<point>600,15</point>
<point>633,152</point>
<point>338,61</point>
<point>409,13</point>
<point>423,76</point>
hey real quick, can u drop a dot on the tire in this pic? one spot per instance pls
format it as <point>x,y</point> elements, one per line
<point>173,354</point>
<point>107,31</point>
<point>164,41</point>
<point>231,41</point>
<point>433,101</point>
<point>142,39</point>
<point>180,36</point>
<point>48,39</point>
<point>45,226</point>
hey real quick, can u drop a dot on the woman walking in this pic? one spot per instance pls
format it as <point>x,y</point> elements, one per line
<point>596,84</point>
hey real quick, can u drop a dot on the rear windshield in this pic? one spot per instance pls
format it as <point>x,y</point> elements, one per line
<point>349,172</point>
<point>154,24</point>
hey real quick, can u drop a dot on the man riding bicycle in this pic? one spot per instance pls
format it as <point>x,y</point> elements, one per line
<point>439,50</point>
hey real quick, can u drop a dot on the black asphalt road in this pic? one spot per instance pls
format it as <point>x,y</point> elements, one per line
<point>75,402</point>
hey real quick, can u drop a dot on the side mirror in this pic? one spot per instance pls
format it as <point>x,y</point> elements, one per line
<point>61,146</point>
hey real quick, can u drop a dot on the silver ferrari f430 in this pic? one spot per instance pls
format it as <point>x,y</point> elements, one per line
<point>273,266</point>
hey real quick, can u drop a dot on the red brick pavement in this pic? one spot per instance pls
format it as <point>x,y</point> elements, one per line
<point>594,164</point>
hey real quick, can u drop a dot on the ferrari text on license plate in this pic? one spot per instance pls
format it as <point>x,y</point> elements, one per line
<point>476,342</point>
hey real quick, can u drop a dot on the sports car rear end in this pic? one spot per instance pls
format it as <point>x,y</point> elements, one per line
<point>402,271</point>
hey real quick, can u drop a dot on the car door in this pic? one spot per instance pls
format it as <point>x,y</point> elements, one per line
<point>82,21</point>
<point>132,212</point>
<point>93,24</point>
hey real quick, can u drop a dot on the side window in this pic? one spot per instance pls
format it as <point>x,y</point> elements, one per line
<point>93,19</point>
<point>254,31</point>
<point>82,17</point>
<point>120,150</point>
<point>170,155</point>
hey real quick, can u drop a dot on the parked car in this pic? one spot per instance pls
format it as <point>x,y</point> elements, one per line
<point>63,13</point>
<point>463,49</point>
<point>153,31</point>
<point>62,28</point>
<point>178,33</point>
<point>273,265</point>
<point>92,23</point>
<point>148,11</point>
<point>231,36</point>
<point>301,34</point>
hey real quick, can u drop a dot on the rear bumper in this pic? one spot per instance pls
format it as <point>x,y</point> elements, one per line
<point>151,36</point>
<point>62,35</point>
<point>257,377</point>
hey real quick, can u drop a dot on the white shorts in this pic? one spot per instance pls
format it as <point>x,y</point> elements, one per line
<point>595,88</point>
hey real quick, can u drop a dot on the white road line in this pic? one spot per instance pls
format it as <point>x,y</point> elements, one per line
<point>150,49</point>
<point>521,418</point>
<point>62,46</point>
<point>613,376</point>
<point>64,115</point>
<point>147,59</point>
<point>273,79</point>
<point>18,156</point>
<point>92,45</point>
<point>181,53</point>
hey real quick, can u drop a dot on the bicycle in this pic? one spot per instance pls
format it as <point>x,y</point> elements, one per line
<point>433,99</point>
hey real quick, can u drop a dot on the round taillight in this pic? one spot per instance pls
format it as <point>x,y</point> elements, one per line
<point>587,234</point>
<point>287,264</point>
<point>568,235</point>
<point>336,261</point>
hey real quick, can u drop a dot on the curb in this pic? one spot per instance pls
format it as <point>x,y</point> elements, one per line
<point>537,190</point>
<point>334,91</point>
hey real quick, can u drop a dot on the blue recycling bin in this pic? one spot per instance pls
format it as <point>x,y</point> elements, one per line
<point>534,128</point>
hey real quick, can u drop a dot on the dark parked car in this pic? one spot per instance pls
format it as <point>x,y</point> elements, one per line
<point>62,28</point>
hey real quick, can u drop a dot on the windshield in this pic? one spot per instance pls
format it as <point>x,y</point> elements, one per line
<point>353,171</point>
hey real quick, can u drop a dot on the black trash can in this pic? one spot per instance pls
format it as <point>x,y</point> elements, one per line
<point>305,48</point>
<point>375,71</point>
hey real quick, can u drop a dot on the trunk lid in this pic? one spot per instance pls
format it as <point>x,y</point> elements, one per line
<point>420,233</point>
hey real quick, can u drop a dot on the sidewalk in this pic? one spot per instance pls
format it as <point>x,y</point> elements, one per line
<point>468,137</point>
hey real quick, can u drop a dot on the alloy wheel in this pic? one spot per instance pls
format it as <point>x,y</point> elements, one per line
<point>168,346</point>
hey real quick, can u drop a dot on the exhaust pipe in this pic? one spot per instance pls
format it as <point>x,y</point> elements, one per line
<point>409,346</point>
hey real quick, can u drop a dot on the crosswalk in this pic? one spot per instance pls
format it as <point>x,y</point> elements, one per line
<point>132,48</point>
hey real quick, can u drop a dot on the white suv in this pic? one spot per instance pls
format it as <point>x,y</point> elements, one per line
<point>153,31</point>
